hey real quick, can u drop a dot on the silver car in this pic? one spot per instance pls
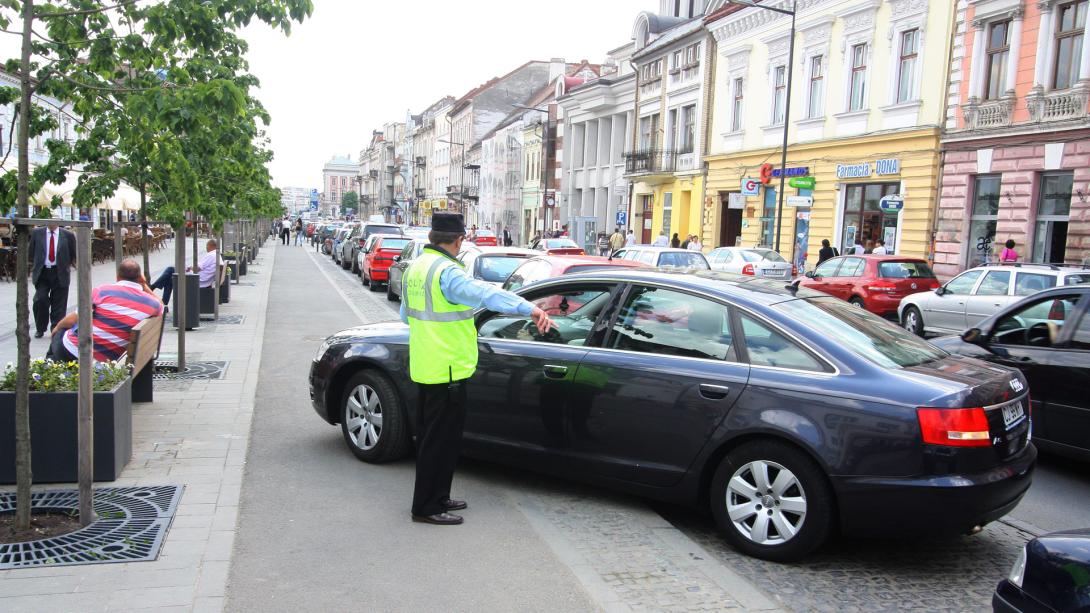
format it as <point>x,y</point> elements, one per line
<point>493,264</point>
<point>753,261</point>
<point>980,292</point>
<point>669,257</point>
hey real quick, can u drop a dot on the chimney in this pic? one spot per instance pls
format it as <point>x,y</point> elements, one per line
<point>557,68</point>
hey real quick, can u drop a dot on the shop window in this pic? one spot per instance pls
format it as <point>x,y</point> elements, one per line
<point>906,78</point>
<point>1053,209</point>
<point>1069,40</point>
<point>864,221</point>
<point>768,217</point>
<point>984,216</point>
<point>997,51</point>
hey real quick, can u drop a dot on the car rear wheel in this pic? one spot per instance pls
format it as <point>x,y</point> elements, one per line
<point>363,276</point>
<point>372,420</point>
<point>857,301</point>
<point>390,295</point>
<point>375,286</point>
<point>771,501</point>
<point>913,321</point>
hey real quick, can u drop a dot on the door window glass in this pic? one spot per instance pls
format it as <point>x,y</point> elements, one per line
<point>1081,338</point>
<point>995,283</point>
<point>573,310</point>
<point>647,257</point>
<point>767,347</point>
<point>963,283</point>
<point>534,270</point>
<point>852,267</point>
<point>1077,279</point>
<point>827,268</point>
<point>665,322</point>
<point>1026,283</point>
<point>1036,324</point>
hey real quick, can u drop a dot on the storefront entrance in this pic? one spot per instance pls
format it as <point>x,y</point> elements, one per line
<point>730,225</point>
<point>648,213</point>
<point>864,222</point>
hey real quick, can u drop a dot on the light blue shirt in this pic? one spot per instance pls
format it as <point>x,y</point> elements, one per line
<point>460,288</point>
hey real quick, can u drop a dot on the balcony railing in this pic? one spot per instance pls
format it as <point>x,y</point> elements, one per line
<point>1059,105</point>
<point>650,161</point>
<point>988,114</point>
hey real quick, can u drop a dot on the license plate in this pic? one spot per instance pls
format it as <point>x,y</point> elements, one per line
<point>1012,414</point>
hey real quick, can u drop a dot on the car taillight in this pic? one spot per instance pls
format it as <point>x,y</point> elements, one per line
<point>794,270</point>
<point>748,269</point>
<point>954,427</point>
<point>882,286</point>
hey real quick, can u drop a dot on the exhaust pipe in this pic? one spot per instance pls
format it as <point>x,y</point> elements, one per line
<point>974,530</point>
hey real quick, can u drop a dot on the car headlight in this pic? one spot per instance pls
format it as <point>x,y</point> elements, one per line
<point>326,344</point>
<point>1018,570</point>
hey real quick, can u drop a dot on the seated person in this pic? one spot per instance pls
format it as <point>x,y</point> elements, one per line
<point>206,265</point>
<point>118,307</point>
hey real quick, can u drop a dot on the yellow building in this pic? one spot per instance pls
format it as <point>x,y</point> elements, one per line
<point>864,126</point>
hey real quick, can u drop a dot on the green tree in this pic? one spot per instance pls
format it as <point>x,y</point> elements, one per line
<point>350,201</point>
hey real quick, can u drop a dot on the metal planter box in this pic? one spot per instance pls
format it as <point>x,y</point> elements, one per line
<point>53,435</point>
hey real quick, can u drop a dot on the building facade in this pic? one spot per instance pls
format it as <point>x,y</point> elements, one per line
<point>426,168</point>
<point>863,133</point>
<point>1017,144</point>
<point>295,200</point>
<point>338,178</point>
<point>501,179</point>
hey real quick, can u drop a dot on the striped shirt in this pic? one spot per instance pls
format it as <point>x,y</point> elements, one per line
<point>117,309</point>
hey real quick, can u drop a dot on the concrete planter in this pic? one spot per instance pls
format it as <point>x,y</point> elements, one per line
<point>53,430</point>
<point>192,301</point>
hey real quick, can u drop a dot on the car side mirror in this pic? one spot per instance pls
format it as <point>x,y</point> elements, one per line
<point>397,258</point>
<point>973,336</point>
<point>941,291</point>
<point>811,274</point>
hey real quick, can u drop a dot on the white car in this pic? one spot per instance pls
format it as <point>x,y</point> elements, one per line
<point>979,292</point>
<point>754,261</point>
<point>493,264</point>
<point>669,257</point>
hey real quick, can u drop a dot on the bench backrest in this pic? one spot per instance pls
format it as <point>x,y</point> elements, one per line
<point>144,342</point>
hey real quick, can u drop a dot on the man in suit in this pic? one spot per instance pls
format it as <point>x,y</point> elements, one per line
<point>54,251</point>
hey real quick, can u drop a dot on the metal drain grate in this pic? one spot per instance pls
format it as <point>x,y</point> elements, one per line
<point>132,524</point>
<point>168,369</point>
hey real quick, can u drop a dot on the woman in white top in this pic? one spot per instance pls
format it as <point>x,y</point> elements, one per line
<point>694,245</point>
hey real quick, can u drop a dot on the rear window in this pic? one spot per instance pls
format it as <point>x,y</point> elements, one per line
<point>862,333</point>
<point>681,259</point>
<point>761,255</point>
<point>393,243</point>
<point>587,268</point>
<point>497,268</point>
<point>382,229</point>
<point>905,270</point>
<point>560,243</point>
<point>1077,279</point>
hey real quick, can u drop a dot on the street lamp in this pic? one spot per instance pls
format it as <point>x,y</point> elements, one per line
<point>787,101</point>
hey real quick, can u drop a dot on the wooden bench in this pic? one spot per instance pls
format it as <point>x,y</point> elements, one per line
<point>144,342</point>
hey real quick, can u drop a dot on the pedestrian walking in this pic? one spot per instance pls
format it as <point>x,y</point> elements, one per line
<point>438,299</point>
<point>603,244</point>
<point>507,237</point>
<point>54,251</point>
<point>675,242</point>
<point>1008,254</point>
<point>685,243</point>
<point>826,251</point>
<point>630,239</point>
<point>616,241</point>
<point>285,231</point>
<point>299,232</point>
<point>694,244</point>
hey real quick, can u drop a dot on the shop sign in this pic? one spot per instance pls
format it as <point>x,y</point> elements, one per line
<point>799,201</point>
<point>736,201</point>
<point>891,166</point>
<point>795,171</point>
<point>802,182</point>
<point>892,203</point>
<point>750,187</point>
<point>852,171</point>
<point>443,203</point>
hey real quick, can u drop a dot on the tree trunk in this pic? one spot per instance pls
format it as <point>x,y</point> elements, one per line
<point>144,230</point>
<point>23,474</point>
<point>180,291</point>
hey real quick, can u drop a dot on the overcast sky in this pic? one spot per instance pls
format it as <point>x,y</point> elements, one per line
<point>356,65</point>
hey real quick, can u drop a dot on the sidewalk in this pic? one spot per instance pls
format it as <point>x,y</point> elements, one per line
<point>195,434</point>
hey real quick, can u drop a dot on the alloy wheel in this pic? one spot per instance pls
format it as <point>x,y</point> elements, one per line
<point>912,322</point>
<point>363,417</point>
<point>766,502</point>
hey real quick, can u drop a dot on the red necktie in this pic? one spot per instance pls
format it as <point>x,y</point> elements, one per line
<point>52,249</point>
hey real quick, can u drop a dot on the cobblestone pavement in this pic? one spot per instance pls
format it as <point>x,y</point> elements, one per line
<point>956,573</point>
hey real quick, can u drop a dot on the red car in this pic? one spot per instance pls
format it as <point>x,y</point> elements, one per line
<point>557,246</point>
<point>485,238</point>
<point>377,260</point>
<point>549,266</point>
<point>874,282</point>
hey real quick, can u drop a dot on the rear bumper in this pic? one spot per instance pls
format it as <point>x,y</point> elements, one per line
<point>379,274</point>
<point>880,506</point>
<point>883,304</point>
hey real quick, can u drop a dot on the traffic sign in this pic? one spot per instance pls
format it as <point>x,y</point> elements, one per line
<point>892,203</point>
<point>750,186</point>
<point>801,182</point>
<point>798,201</point>
<point>622,218</point>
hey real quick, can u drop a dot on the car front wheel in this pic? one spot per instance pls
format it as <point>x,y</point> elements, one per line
<point>913,321</point>
<point>372,420</point>
<point>857,301</point>
<point>771,501</point>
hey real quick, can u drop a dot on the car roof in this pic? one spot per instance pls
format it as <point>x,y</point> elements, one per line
<point>1058,269</point>
<point>486,250</point>
<point>567,261</point>
<point>883,258</point>
<point>654,248</point>
<point>378,237</point>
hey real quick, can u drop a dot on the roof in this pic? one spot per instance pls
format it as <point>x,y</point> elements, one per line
<point>742,289</point>
<point>674,34</point>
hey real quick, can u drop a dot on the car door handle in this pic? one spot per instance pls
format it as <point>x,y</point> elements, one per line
<point>555,371</point>
<point>714,392</point>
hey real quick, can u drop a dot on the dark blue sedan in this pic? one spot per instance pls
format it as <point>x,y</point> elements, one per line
<point>787,412</point>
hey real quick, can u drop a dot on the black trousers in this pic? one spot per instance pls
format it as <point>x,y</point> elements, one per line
<point>50,300</point>
<point>57,351</point>
<point>284,237</point>
<point>440,418</point>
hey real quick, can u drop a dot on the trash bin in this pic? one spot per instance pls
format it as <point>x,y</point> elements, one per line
<point>192,301</point>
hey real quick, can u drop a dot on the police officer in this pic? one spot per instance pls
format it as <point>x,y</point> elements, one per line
<point>438,299</point>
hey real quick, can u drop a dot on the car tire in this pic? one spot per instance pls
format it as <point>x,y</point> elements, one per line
<point>355,267</point>
<point>366,281</point>
<point>375,286</point>
<point>370,394</point>
<point>390,295</point>
<point>804,487</point>
<point>857,301</point>
<point>912,321</point>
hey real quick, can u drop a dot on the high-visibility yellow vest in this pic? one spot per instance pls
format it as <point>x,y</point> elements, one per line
<point>442,335</point>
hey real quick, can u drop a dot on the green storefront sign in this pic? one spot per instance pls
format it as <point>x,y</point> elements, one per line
<point>801,182</point>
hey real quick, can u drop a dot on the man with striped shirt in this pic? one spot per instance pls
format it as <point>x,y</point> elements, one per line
<point>118,307</point>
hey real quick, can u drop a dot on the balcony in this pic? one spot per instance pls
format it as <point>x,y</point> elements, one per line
<point>650,162</point>
<point>988,114</point>
<point>1059,105</point>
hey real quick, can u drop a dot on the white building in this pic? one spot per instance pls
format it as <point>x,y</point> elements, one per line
<point>501,178</point>
<point>295,200</point>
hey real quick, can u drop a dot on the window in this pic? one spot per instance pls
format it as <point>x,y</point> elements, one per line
<point>1026,283</point>
<point>996,59</point>
<point>817,86</point>
<point>649,127</point>
<point>779,91</point>
<point>828,268</point>
<point>574,310</point>
<point>852,267</point>
<point>767,347</point>
<point>687,260</point>
<point>1081,338</point>
<point>905,270</point>
<point>1038,324</point>
<point>672,137</point>
<point>768,217</point>
<point>688,128</point>
<point>863,217</point>
<point>995,283</point>
<point>984,217</point>
<point>1069,40</point>
<point>857,95</point>
<point>1053,213</point>
<point>736,110</point>
<point>665,322</point>
<point>963,283</point>
<point>1076,279</point>
<point>906,76</point>
<point>667,212</point>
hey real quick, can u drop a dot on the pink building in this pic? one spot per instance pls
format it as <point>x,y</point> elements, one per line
<point>1016,162</point>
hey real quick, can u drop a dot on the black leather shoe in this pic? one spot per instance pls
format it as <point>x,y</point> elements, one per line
<point>453,505</point>
<point>439,519</point>
<point>39,334</point>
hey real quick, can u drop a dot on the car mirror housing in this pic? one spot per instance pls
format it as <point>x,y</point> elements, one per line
<point>397,258</point>
<point>972,335</point>
<point>941,290</point>
<point>811,274</point>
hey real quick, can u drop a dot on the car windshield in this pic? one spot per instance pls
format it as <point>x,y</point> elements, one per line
<point>758,255</point>
<point>905,270</point>
<point>560,243</point>
<point>496,268</point>
<point>861,332</point>
<point>683,259</point>
<point>394,243</point>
